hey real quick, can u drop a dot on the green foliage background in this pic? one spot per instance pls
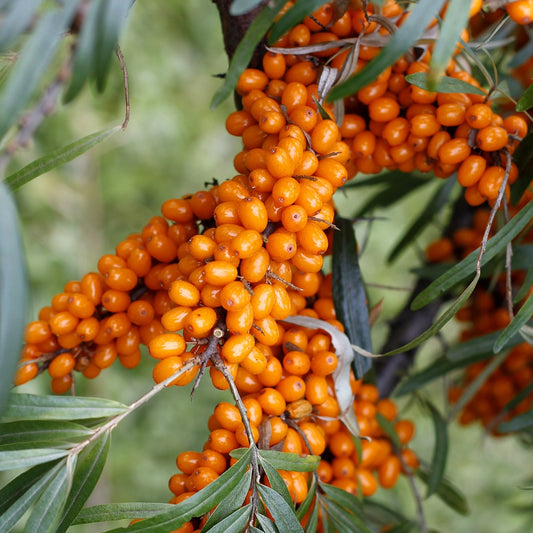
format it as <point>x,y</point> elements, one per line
<point>73,215</point>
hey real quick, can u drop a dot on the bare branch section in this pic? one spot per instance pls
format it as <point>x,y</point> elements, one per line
<point>234,28</point>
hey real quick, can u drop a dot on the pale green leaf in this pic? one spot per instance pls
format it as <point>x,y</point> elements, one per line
<point>445,84</point>
<point>521,318</point>
<point>57,158</point>
<point>440,451</point>
<point>13,289</point>
<point>44,432</point>
<point>12,459</point>
<point>281,512</point>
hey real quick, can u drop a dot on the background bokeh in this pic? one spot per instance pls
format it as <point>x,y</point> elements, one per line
<point>174,143</point>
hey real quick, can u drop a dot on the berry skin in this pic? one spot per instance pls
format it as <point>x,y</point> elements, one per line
<point>491,138</point>
<point>471,170</point>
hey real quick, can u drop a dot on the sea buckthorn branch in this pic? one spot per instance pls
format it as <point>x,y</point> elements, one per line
<point>31,121</point>
<point>422,522</point>
<point>125,79</point>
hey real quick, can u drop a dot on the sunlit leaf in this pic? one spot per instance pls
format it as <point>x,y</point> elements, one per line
<point>16,19</point>
<point>295,15</point>
<point>196,505</point>
<point>231,502</point>
<point>293,462</point>
<point>41,407</point>
<point>403,39</point>
<point>21,493</point>
<point>246,48</point>
<point>440,451</point>
<point>33,62</point>
<point>41,432</point>
<point>234,523</point>
<point>433,207</point>
<point>526,100</point>
<point>521,318</point>
<point>120,511</point>
<point>276,481</point>
<point>454,22</point>
<point>57,158</point>
<point>47,511</point>
<point>89,468</point>
<point>350,294</point>
<point>13,288</point>
<point>239,7</point>
<point>445,84</point>
<point>12,459</point>
<point>518,423</point>
<point>281,512</point>
<point>447,492</point>
<point>465,268</point>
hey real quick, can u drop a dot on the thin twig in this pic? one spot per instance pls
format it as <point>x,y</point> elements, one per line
<point>416,494</point>
<point>120,56</point>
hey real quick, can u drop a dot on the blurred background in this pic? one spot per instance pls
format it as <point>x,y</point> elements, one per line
<point>173,144</point>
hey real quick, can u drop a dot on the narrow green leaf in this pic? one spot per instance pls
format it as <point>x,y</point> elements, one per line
<point>522,395</point>
<point>294,16</point>
<point>432,208</point>
<point>89,468</point>
<point>235,522</point>
<point>435,370</point>
<point>245,50</point>
<point>33,62</point>
<point>523,157</point>
<point>57,158</point>
<point>407,526</point>
<point>526,285</point>
<point>521,319</point>
<point>518,423</point>
<point>349,288</point>
<point>526,100</point>
<point>120,511</point>
<point>445,84</point>
<point>24,458</point>
<point>309,500</point>
<point>441,321</point>
<point>19,495</point>
<point>45,432</point>
<point>440,451</point>
<point>231,502</point>
<point>13,289</point>
<point>454,22</point>
<point>465,268</point>
<point>47,511</point>
<point>280,510</point>
<point>266,524</point>
<point>396,191</point>
<point>85,53</point>
<point>276,481</point>
<point>313,521</point>
<point>447,492</point>
<point>380,513</point>
<point>41,407</point>
<point>403,39</point>
<point>482,346</point>
<point>290,461</point>
<point>240,7</point>
<point>522,55</point>
<point>16,19</point>
<point>196,505</point>
<point>344,519</point>
<point>388,427</point>
<point>111,20</point>
<point>341,497</point>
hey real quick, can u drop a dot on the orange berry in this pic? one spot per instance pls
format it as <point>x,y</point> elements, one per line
<point>61,365</point>
<point>167,345</point>
<point>491,138</point>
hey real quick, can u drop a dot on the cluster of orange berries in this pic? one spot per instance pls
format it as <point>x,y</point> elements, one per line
<point>487,312</point>
<point>292,407</point>
<point>389,124</point>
